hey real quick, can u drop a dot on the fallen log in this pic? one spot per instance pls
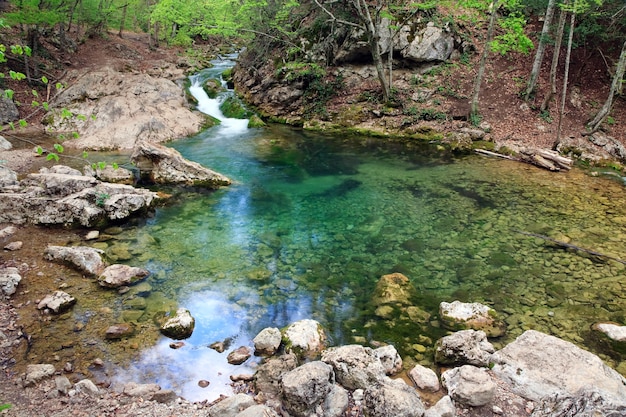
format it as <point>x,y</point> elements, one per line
<point>545,158</point>
<point>570,246</point>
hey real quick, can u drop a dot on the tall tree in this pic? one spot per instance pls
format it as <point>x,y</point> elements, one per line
<point>541,47</point>
<point>474,110</point>
<point>618,80</point>
<point>555,59</point>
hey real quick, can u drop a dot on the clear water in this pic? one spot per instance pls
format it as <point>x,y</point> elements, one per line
<point>312,222</point>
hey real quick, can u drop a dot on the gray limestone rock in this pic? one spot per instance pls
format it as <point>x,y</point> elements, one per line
<point>464,347</point>
<point>537,365</point>
<point>231,406</point>
<point>86,386</point>
<point>36,373</point>
<point>57,302</point>
<point>83,258</point>
<point>306,387</point>
<point>267,341</point>
<point>162,165</point>
<point>424,378</point>
<point>117,275</point>
<point>461,316</point>
<point>305,337</point>
<point>258,410</point>
<point>390,359</point>
<point>179,326</point>
<point>392,398</point>
<point>355,366</point>
<point>469,385</point>
<point>9,279</point>
<point>443,408</point>
<point>267,378</point>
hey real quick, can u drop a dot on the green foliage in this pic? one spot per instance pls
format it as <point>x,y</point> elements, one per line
<point>301,71</point>
<point>319,92</point>
<point>514,39</point>
<point>475,119</point>
<point>101,198</point>
<point>5,406</point>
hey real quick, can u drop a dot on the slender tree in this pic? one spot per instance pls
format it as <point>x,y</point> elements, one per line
<point>555,59</point>
<point>566,75</point>
<point>618,80</point>
<point>541,47</point>
<point>474,113</point>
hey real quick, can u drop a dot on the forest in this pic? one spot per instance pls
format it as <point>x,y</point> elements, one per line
<point>299,36</point>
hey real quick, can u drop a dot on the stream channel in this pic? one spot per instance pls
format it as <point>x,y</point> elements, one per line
<point>312,222</point>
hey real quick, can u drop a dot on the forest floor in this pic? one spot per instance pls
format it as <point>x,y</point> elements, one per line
<point>513,122</point>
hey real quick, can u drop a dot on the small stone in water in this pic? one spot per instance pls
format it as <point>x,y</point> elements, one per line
<point>68,368</point>
<point>98,362</point>
<point>203,383</point>
<point>177,345</point>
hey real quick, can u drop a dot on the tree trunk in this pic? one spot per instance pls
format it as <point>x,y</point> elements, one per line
<point>566,75</point>
<point>555,61</point>
<point>483,61</point>
<point>123,21</point>
<point>618,79</point>
<point>541,48</point>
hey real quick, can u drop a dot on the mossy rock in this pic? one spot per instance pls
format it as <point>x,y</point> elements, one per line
<point>255,121</point>
<point>213,87</point>
<point>233,108</point>
<point>210,121</point>
<point>175,325</point>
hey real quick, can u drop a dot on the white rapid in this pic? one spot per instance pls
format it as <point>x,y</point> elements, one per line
<point>210,106</point>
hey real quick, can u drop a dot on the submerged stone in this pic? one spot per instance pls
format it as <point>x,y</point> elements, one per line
<point>461,316</point>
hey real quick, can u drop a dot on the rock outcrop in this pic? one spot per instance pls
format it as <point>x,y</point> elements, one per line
<point>121,109</point>
<point>63,196</point>
<point>161,165</point>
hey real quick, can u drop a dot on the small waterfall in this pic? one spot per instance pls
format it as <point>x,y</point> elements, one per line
<point>211,106</point>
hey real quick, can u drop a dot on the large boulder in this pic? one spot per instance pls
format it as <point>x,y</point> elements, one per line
<point>461,316</point>
<point>464,347</point>
<point>82,258</point>
<point>178,326</point>
<point>392,398</point>
<point>304,338</point>
<point>306,387</point>
<point>267,341</point>
<point>123,108</point>
<point>268,376</point>
<point>393,289</point>
<point>355,366</point>
<point>469,385</point>
<point>65,197</point>
<point>430,44</point>
<point>537,365</point>
<point>586,402</point>
<point>161,165</point>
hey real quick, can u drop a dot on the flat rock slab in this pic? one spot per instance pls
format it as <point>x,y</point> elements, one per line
<point>118,275</point>
<point>57,302</point>
<point>83,258</point>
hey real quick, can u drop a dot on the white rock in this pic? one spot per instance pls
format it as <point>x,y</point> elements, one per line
<point>469,385</point>
<point>424,378</point>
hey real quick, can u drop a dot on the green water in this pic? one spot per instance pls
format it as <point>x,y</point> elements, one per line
<point>311,223</point>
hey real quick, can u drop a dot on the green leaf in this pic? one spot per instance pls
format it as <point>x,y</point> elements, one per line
<point>28,51</point>
<point>9,94</point>
<point>81,117</point>
<point>45,105</point>
<point>102,165</point>
<point>52,156</point>
<point>11,125</point>
<point>58,86</point>
<point>44,80</point>
<point>115,165</point>
<point>17,49</point>
<point>75,135</point>
<point>85,154</point>
<point>35,93</point>
<point>23,123</point>
<point>58,147</point>
<point>39,150</point>
<point>35,103</point>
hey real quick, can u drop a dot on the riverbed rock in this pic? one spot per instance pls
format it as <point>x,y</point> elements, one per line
<point>145,391</point>
<point>231,406</point>
<point>393,289</point>
<point>57,302</point>
<point>8,178</point>
<point>161,165</point>
<point>258,410</point>
<point>123,108</point>
<point>7,231</point>
<point>9,279</point>
<point>355,366</point>
<point>424,378</point>
<point>613,331</point>
<point>443,408</point>
<point>305,337</point>
<point>179,326</point>
<point>66,197</point>
<point>469,385</point>
<point>464,347</point>
<point>8,110</point>
<point>86,386</point>
<point>306,387</point>
<point>389,358</point>
<point>36,373</point>
<point>115,276</point>
<point>269,374</point>
<point>460,316</point>
<point>109,173</point>
<point>13,246</point>
<point>82,258</point>
<point>5,145</point>
<point>267,341</point>
<point>239,355</point>
<point>392,398</point>
<point>537,365</point>
<point>119,331</point>
<point>586,402</point>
